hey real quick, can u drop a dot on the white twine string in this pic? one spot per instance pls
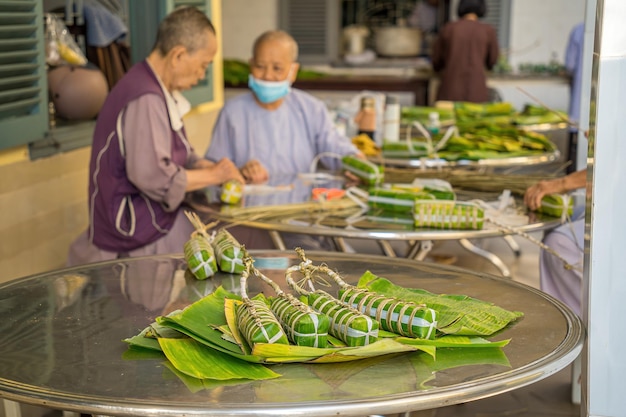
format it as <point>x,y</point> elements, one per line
<point>506,228</point>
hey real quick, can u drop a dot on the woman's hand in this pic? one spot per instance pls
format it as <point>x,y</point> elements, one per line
<point>254,172</point>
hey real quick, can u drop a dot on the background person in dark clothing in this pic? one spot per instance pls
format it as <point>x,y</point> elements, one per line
<point>463,52</point>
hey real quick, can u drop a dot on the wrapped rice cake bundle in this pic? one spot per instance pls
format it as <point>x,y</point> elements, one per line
<point>200,257</point>
<point>347,324</point>
<point>556,205</point>
<point>441,214</point>
<point>391,217</point>
<point>257,323</point>
<point>398,201</point>
<point>394,315</point>
<point>367,171</point>
<point>304,327</point>
<point>438,189</point>
<point>228,252</point>
<point>402,149</point>
<point>231,192</point>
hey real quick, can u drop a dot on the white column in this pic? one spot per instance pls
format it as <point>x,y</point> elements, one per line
<point>604,361</point>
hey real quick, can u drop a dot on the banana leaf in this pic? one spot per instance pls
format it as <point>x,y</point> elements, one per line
<point>194,359</point>
<point>205,321</point>
<point>277,353</point>
<point>455,341</point>
<point>457,314</point>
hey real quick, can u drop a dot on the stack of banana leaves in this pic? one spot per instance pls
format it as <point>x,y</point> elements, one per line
<point>409,114</point>
<point>236,73</point>
<point>203,343</point>
<point>485,131</point>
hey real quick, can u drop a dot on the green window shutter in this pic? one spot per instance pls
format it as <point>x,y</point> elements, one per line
<point>144,18</point>
<point>23,86</point>
<point>315,27</point>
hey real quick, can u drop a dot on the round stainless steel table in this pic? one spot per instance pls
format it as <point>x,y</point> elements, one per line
<point>62,332</point>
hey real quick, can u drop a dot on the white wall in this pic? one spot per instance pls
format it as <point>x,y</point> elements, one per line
<point>243,21</point>
<point>540,28</point>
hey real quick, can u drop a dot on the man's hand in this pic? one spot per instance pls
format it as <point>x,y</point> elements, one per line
<point>254,172</point>
<point>534,194</point>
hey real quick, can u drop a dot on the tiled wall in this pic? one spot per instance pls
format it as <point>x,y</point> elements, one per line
<point>43,204</point>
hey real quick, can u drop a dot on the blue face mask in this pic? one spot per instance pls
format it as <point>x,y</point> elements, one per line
<point>269,91</point>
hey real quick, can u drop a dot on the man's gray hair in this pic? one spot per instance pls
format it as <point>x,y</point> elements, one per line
<point>183,27</point>
<point>276,35</point>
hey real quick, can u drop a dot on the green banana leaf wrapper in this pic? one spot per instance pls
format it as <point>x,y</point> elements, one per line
<point>345,324</point>
<point>466,110</point>
<point>369,172</point>
<point>303,327</point>
<point>391,217</point>
<point>402,149</point>
<point>394,315</point>
<point>443,214</point>
<point>228,253</point>
<point>257,323</point>
<point>557,205</point>
<point>456,314</point>
<point>200,257</point>
<point>410,114</point>
<point>399,201</point>
<point>439,192</point>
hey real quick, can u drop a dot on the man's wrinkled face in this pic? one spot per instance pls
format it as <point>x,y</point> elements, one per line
<point>273,62</point>
<point>190,68</point>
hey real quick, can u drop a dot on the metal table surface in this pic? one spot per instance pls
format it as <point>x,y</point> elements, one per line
<point>62,332</point>
<point>350,224</point>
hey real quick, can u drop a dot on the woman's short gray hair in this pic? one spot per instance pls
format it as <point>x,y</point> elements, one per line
<point>277,35</point>
<point>183,27</point>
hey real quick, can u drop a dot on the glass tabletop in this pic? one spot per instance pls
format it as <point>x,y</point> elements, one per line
<point>63,330</point>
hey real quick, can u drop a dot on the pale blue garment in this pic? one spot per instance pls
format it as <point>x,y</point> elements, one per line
<point>568,241</point>
<point>574,64</point>
<point>285,140</point>
<point>103,26</point>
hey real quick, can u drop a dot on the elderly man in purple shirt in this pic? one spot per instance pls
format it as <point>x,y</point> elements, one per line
<point>141,162</point>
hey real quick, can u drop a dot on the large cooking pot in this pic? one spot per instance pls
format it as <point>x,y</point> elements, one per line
<point>397,41</point>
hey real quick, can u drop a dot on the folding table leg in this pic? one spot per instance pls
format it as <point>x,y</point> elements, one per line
<point>420,249</point>
<point>386,248</point>
<point>504,270</point>
<point>517,251</point>
<point>277,240</point>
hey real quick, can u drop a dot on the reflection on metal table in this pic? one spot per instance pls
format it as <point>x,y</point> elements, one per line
<point>277,211</point>
<point>63,330</point>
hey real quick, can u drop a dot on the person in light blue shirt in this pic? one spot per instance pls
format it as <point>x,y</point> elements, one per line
<point>574,66</point>
<point>275,130</point>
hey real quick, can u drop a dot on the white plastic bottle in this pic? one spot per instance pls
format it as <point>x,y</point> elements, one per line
<point>434,125</point>
<point>391,120</point>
